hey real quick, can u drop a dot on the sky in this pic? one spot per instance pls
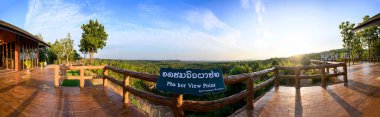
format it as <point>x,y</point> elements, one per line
<point>194,29</point>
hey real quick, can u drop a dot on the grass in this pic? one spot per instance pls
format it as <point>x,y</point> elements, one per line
<point>70,83</point>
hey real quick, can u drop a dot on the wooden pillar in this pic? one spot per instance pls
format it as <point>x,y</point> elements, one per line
<point>81,78</point>
<point>126,93</point>
<point>56,76</point>
<point>177,109</point>
<point>37,57</point>
<point>3,52</point>
<point>17,56</point>
<point>105,73</point>
<point>345,75</point>
<point>11,55</point>
<point>276,79</point>
<point>6,55</point>
<point>250,98</point>
<point>335,70</point>
<point>298,79</point>
<point>323,78</point>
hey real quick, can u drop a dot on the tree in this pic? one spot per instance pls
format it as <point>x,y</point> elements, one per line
<point>348,37</point>
<point>39,37</point>
<point>94,37</point>
<point>57,48</point>
<point>63,48</point>
<point>68,47</point>
<point>369,37</point>
<point>75,56</point>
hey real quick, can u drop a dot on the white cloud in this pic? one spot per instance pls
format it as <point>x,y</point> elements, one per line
<point>206,19</point>
<point>55,18</point>
<point>186,42</point>
<point>200,35</point>
<point>212,24</point>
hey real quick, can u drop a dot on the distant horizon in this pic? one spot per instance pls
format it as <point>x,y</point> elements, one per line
<point>197,30</point>
<point>212,60</point>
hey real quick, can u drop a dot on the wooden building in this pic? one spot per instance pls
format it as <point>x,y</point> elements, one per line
<point>17,46</point>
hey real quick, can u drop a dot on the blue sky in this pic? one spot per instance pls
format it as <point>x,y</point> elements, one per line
<point>194,29</point>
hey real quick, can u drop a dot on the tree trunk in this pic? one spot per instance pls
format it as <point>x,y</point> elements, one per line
<point>369,53</point>
<point>91,57</point>
<point>353,59</point>
<point>67,60</point>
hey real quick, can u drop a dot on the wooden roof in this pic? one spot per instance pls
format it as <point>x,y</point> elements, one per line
<point>375,20</point>
<point>14,29</point>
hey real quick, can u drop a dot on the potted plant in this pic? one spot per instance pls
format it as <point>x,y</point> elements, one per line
<point>42,65</point>
<point>28,65</point>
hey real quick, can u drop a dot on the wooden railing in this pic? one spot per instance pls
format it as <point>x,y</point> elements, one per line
<point>61,73</point>
<point>178,105</point>
<point>323,68</point>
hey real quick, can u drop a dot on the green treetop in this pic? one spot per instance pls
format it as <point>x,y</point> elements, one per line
<point>94,37</point>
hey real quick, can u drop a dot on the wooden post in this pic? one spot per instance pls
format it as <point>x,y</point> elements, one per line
<point>56,76</point>
<point>249,85</point>
<point>81,81</point>
<point>126,93</point>
<point>327,70</point>
<point>17,56</point>
<point>105,73</point>
<point>345,75</point>
<point>323,82</point>
<point>276,79</point>
<point>177,109</point>
<point>335,70</point>
<point>298,79</point>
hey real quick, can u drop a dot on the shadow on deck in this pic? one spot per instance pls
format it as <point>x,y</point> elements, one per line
<point>360,98</point>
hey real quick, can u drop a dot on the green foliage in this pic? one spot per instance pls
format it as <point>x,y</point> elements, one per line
<point>75,56</point>
<point>45,53</point>
<point>73,73</point>
<point>42,64</point>
<point>350,40</point>
<point>63,48</point>
<point>68,47</point>
<point>369,37</point>
<point>94,37</point>
<point>39,37</point>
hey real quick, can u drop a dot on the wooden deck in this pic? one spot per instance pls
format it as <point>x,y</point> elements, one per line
<point>34,94</point>
<point>360,98</point>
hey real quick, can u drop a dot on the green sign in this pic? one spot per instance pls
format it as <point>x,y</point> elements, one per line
<point>191,81</point>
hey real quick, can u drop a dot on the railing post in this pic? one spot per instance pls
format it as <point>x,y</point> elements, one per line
<point>81,81</point>
<point>327,70</point>
<point>126,93</point>
<point>276,78</point>
<point>335,70</point>
<point>298,79</point>
<point>105,73</point>
<point>323,82</point>
<point>345,75</point>
<point>177,109</point>
<point>56,76</point>
<point>250,98</point>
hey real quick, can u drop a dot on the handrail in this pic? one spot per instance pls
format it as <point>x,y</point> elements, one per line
<point>177,103</point>
<point>63,70</point>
